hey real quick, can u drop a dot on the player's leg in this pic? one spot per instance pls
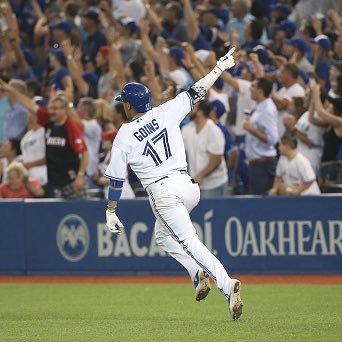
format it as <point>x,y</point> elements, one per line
<point>167,201</point>
<point>199,278</point>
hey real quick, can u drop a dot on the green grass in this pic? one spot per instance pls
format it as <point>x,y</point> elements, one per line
<point>149,312</point>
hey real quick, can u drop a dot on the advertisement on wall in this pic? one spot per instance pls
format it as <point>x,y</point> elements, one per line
<point>248,235</point>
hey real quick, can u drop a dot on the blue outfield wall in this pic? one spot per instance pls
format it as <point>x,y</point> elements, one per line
<point>249,235</point>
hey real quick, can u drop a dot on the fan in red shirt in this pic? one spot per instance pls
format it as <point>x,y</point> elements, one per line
<point>66,150</point>
<point>18,185</point>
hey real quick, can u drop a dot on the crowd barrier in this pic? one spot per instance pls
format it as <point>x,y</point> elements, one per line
<point>249,235</point>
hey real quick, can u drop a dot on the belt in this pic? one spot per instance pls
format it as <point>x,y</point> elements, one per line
<point>261,160</point>
<point>181,171</point>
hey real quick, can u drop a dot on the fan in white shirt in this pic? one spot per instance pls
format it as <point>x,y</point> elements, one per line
<point>204,146</point>
<point>288,75</point>
<point>33,150</point>
<point>294,174</point>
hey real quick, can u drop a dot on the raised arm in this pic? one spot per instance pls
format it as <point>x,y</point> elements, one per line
<point>75,70</point>
<point>191,20</point>
<point>22,98</point>
<point>331,119</point>
<point>224,63</point>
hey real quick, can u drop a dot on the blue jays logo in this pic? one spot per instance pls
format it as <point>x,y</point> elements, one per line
<point>73,238</point>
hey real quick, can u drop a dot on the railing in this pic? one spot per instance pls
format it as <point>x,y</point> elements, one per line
<point>248,235</point>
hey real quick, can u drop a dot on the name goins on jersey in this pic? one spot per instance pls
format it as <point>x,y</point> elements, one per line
<point>144,131</point>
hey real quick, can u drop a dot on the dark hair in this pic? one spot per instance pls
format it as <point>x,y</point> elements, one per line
<point>265,85</point>
<point>176,9</point>
<point>119,108</point>
<point>205,107</point>
<point>289,139</point>
<point>71,8</point>
<point>34,86</point>
<point>256,29</point>
<point>292,69</point>
<point>15,144</point>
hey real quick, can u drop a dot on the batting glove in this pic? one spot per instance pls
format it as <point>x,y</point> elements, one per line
<point>113,223</point>
<point>227,61</point>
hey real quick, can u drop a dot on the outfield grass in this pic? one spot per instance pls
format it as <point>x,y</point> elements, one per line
<point>151,312</point>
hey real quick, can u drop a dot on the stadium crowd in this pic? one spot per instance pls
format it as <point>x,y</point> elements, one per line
<point>270,125</point>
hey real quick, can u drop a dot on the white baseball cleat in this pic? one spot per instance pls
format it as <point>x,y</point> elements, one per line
<point>235,303</point>
<point>202,285</point>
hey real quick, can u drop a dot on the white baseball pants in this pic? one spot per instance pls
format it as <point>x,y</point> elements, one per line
<point>171,200</point>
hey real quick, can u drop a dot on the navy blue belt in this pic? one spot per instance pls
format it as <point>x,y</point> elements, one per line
<point>181,171</point>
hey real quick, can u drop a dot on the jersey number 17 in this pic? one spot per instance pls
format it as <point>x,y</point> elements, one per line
<point>150,151</point>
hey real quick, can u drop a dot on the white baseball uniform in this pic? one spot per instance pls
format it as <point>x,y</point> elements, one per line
<point>152,145</point>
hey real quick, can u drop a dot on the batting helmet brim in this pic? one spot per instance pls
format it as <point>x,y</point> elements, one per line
<point>118,98</point>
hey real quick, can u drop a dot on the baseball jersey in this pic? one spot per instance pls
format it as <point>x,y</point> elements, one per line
<point>297,172</point>
<point>151,143</point>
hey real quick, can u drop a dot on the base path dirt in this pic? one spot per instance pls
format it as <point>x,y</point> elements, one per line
<point>246,279</point>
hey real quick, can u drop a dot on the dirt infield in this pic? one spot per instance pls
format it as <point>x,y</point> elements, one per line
<point>247,279</point>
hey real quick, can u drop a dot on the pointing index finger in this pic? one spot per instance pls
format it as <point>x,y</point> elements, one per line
<point>230,52</point>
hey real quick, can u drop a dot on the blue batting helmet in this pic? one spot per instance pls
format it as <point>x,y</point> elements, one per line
<point>137,95</point>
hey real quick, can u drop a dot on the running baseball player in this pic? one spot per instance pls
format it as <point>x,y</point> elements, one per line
<point>151,143</point>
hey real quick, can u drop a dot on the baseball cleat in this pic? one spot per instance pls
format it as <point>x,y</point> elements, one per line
<point>202,285</point>
<point>235,303</point>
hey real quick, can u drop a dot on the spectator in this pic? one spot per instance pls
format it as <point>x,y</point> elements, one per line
<point>85,117</point>
<point>102,63</point>
<point>309,135</point>
<point>288,75</point>
<point>18,185</point>
<point>280,12</point>
<point>66,151</point>
<point>253,33</point>
<point>321,59</point>
<point>33,150</point>
<point>217,92</point>
<point>103,113</point>
<point>283,30</point>
<point>331,160</point>
<point>61,31</point>
<point>15,123</point>
<point>59,78</point>
<point>241,17</point>
<point>4,108</point>
<point>204,145</point>
<point>10,153</point>
<point>245,103</point>
<point>261,138</point>
<point>231,152</point>
<point>132,8</point>
<point>294,174</point>
<point>95,38</point>
<point>172,25</point>
<point>297,54</point>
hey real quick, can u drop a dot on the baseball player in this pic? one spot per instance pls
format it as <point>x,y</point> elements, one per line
<point>151,143</point>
